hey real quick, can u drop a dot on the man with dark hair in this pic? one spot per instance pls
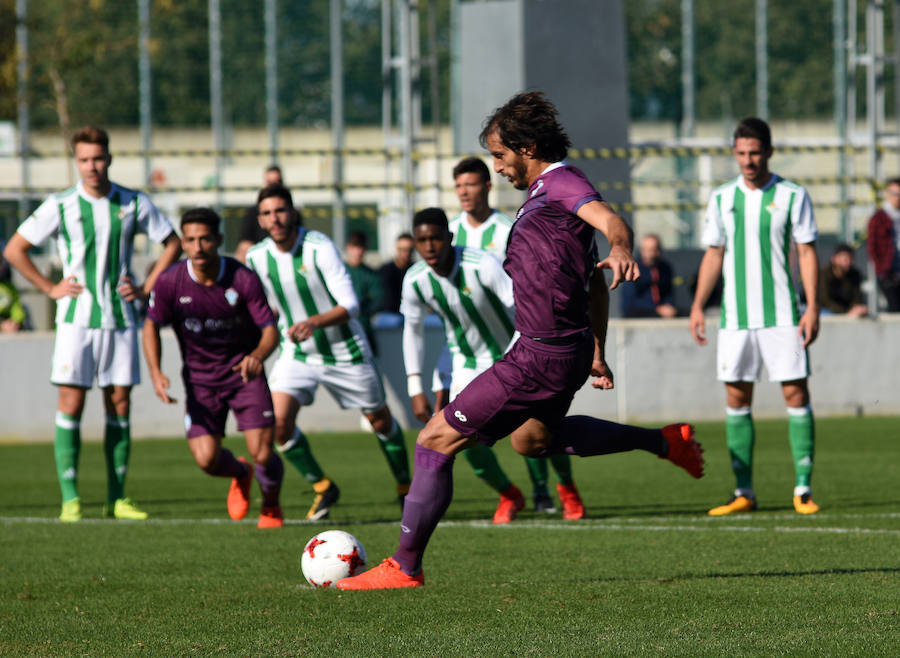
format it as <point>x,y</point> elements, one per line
<point>366,283</point>
<point>750,224</point>
<point>393,271</point>
<point>883,244</point>
<point>651,295</point>
<point>96,327</point>
<point>225,330</point>
<point>251,233</point>
<point>322,342</point>
<point>840,285</point>
<point>562,304</point>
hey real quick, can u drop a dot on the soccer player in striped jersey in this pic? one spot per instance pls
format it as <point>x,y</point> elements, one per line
<point>322,342</point>
<point>483,227</point>
<point>94,224</point>
<point>226,331</point>
<point>471,293</point>
<point>750,224</point>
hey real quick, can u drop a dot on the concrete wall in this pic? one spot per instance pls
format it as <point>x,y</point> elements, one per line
<point>661,376</point>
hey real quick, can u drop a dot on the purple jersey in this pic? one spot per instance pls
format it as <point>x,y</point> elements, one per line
<point>216,325</point>
<point>550,256</point>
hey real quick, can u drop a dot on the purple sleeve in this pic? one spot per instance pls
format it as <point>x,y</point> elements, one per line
<point>572,189</point>
<point>160,306</point>
<point>257,305</point>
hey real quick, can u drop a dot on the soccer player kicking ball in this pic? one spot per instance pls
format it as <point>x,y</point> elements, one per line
<point>225,330</point>
<point>321,343</point>
<point>561,302</point>
<point>96,334</point>
<point>471,293</point>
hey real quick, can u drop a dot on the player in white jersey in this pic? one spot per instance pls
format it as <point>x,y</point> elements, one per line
<point>750,224</point>
<point>94,223</point>
<point>479,225</point>
<point>322,342</point>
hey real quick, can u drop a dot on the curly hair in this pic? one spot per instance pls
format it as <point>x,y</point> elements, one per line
<point>528,120</point>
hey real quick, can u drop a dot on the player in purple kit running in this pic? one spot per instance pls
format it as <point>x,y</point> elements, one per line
<point>561,313</point>
<point>225,330</point>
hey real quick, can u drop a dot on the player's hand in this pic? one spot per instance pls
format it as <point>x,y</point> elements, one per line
<point>421,407</point>
<point>604,376</point>
<point>622,264</point>
<point>698,325</point>
<point>808,327</point>
<point>250,368</point>
<point>302,330</point>
<point>161,388</point>
<point>128,291</point>
<point>68,287</point>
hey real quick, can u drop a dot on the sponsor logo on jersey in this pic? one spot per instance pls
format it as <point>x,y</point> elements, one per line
<point>231,296</point>
<point>193,324</point>
<point>184,300</point>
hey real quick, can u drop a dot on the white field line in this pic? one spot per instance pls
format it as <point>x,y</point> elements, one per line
<point>619,525</point>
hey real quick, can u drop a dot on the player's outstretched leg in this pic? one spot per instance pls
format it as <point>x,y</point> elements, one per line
<point>428,498</point>
<point>486,467</point>
<point>66,449</point>
<point>586,436</point>
<point>269,476</point>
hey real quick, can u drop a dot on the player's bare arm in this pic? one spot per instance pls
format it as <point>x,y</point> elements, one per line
<point>808,260</point>
<point>598,309</point>
<point>620,237</point>
<point>170,254</point>
<point>16,253</point>
<point>708,275</point>
<point>304,329</point>
<point>153,356</point>
<point>251,366</point>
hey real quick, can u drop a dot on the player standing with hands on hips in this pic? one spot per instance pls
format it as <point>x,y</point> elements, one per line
<point>562,305</point>
<point>750,223</point>
<point>96,335</point>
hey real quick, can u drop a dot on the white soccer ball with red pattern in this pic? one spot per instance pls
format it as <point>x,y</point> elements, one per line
<point>330,556</point>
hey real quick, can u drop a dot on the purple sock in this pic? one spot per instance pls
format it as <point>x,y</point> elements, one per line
<point>269,476</point>
<point>585,436</point>
<point>227,466</point>
<point>428,498</point>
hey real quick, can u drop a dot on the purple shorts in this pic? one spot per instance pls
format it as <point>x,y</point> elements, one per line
<point>532,380</point>
<point>206,407</point>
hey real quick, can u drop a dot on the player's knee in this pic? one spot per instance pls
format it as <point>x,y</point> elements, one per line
<point>437,435</point>
<point>530,445</point>
<point>206,460</point>
<point>382,421</point>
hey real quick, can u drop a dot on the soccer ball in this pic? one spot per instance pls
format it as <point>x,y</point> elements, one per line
<point>330,556</point>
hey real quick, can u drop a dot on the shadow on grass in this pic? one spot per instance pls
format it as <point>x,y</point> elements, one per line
<point>754,574</point>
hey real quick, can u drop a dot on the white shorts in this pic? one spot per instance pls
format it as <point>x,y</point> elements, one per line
<point>352,387</point>
<point>741,352</point>
<point>110,355</point>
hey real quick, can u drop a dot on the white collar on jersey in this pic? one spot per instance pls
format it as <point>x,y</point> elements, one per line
<point>190,269</point>
<point>551,167</point>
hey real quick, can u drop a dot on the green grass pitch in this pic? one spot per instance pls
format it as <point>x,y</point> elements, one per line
<point>648,573</point>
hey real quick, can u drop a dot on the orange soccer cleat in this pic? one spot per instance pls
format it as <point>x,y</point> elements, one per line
<point>684,451</point>
<point>511,502</point>
<point>573,508</point>
<point>804,504</point>
<point>270,517</point>
<point>239,493</point>
<point>738,503</point>
<point>387,575</point>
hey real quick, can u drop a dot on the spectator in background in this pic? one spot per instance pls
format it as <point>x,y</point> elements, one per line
<point>12,313</point>
<point>883,245</point>
<point>251,232</point>
<point>651,295</point>
<point>366,283</point>
<point>840,285</point>
<point>392,273</point>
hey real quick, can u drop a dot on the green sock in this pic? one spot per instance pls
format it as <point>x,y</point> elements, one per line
<point>66,447</point>
<point>299,454</point>
<point>802,436</point>
<point>538,471</point>
<point>117,448</point>
<point>487,468</point>
<point>393,446</point>
<point>740,435</point>
<point>562,464</point>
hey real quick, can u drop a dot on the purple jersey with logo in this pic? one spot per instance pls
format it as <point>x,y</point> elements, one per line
<point>550,255</point>
<point>216,325</point>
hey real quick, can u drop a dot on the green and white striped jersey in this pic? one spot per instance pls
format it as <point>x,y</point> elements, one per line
<point>492,235</point>
<point>756,228</point>
<point>95,240</point>
<point>305,281</point>
<point>475,301</point>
